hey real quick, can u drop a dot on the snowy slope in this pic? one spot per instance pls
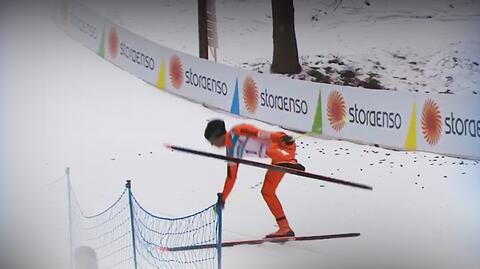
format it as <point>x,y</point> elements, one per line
<point>420,46</point>
<point>79,111</point>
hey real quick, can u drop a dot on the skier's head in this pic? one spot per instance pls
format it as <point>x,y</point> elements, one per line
<point>215,133</point>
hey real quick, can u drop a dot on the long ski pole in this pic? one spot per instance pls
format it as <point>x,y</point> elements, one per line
<point>270,166</point>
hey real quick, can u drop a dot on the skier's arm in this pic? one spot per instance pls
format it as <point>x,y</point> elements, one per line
<point>252,131</point>
<point>248,130</point>
<point>278,151</point>
<point>232,169</point>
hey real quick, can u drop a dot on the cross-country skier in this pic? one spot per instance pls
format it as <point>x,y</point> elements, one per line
<point>246,139</point>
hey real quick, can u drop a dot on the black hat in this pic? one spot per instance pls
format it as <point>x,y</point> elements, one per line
<point>214,129</point>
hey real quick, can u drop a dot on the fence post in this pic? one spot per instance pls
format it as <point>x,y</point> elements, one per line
<point>219,206</point>
<point>128,185</point>
<point>67,173</point>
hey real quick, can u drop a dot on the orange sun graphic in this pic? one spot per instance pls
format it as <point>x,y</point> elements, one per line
<point>113,43</point>
<point>250,94</point>
<point>336,110</point>
<point>176,72</point>
<point>431,122</point>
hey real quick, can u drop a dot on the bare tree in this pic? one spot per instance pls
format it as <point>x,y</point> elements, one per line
<point>202,29</point>
<point>285,51</point>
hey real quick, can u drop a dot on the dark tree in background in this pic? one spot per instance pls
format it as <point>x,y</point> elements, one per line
<point>285,51</point>
<point>202,29</point>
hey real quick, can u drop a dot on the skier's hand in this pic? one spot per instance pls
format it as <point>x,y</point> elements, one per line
<point>221,200</point>
<point>296,166</point>
<point>288,140</point>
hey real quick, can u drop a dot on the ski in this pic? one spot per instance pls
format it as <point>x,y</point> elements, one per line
<point>264,240</point>
<point>270,166</point>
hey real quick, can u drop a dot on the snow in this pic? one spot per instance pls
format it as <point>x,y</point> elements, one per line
<point>69,108</point>
<point>419,46</point>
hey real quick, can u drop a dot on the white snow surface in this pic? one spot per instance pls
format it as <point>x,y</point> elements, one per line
<point>428,46</point>
<point>68,107</point>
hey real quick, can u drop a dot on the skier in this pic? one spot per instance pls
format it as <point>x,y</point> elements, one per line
<point>246,139</point>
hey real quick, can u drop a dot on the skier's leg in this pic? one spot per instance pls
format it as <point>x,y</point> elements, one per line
<point>270,184</point>
<point>279,153</point>
<point>272,180</point>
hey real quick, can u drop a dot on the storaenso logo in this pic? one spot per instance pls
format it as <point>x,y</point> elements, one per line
<point>83,26</point>
<point>463,127</point>
<point>136,56</point>
<point>113,43</point>
<point>432,124</point>
<point>128,52</point>
<point>283,103</point>
<point>206,83</point>
<point>336,111</point>
<point>177,76</point>
<point>271,101</point>
<point>375,118</point>
<point>250,94</point>
<point>176,72</point>
<point>337,115</point>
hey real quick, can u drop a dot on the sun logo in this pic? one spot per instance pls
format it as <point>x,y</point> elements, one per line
<point>250,94</point>
<point>113,43</point>
<point>336,111</point>
<point>176,72</point>
<point>431,122</point>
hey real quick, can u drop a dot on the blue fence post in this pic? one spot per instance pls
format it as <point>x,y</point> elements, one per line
<point>219,206</point>
<point>67,173</point>
<point>128,185</point>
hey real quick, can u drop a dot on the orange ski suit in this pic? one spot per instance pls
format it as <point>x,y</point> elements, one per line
<point>248,139</point>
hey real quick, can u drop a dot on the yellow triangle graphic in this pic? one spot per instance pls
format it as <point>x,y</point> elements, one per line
<point>162,76</point>
<point>411,141</point>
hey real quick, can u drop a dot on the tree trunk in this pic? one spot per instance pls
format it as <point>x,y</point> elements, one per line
<point>285,52</point>
<point>202,29</point>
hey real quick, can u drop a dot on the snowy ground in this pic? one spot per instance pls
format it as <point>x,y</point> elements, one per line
<point>71,108</point>
<point>419,46</point>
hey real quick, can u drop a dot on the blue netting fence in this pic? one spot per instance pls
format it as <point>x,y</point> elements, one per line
<point>107,234</point>
<point>125,235</point>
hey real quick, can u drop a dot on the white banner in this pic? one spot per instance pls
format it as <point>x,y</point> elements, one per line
<point>200,80</point>
<point>82,24</point>
<point>449,124</point>
<point>289,103</point>
<point>374,117</point>
<point>133,53</point>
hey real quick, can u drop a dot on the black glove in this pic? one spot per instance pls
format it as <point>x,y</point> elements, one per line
<point>296,166</point>
<point>288,140</point>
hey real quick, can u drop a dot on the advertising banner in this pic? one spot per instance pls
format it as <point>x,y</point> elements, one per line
<point>82,24</point>
<point>133,53</point>
<point>198,79</point>
<point>374,117</point>
<point>282,101</point>
<point>449,124</point>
